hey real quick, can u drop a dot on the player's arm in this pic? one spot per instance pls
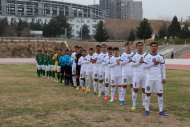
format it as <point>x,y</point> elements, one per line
<point>134,62</point>
<point>123,61</point>
<point>148,64</point>
<point>163,69</point>
<point>80,61</point>
<point>113,63</point>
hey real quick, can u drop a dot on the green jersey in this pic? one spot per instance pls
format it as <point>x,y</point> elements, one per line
<point>50,59</point>
<point>39,59</point>
<point>45,59</point>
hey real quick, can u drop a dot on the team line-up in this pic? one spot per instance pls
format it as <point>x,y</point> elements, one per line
<point>109,70</point>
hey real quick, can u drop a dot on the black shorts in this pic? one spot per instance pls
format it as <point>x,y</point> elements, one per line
<point>68,69</point>
<point>78,69</point>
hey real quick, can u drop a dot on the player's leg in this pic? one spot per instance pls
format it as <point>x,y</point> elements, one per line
<point>95,82</point>
<point>58,72</point>
<point>143,81</point>
<point>120,87</point>
<point>74,75</point>
<point>82,80</point>
<point>39,70</point>
<point>107,82</point>
<point>113,88</point>
<point>70,75</point>
<point>88,73</point>
<point>159,89</point>
<point>101,84</point>
<point>136,85</point>
<point>148,90</point>
<point>124,85</point>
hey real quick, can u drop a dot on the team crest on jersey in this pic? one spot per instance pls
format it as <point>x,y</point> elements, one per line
<point>112,81</point>
<point>106,80</point>
<point>100,76</point>
<point>95,75</point>
<point>125,80</point>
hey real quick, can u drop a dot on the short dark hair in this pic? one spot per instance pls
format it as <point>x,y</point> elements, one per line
<point>109,48</point>
<point>139,43</point>
<point>66,50</point>
<point>152,43</point>
<point>83,50</point>
<point>76,47</point>
<point>98,46</point>
<point>91,49</point>
<point>126,43</point>
<point>116,49</point>
<point>60,49</point>
<point>104,45</point>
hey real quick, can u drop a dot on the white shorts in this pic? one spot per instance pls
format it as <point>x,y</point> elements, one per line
<point>107,77</point>
<point>89,74</point>
<point>74,69</point>
<point>82,74</point>
<point>95,74</point>
<point>43,67</point>
<point>39,67</point>
<point>127,79</point>
<point>50,67</point>
<point>46,68</point>
<point>139,80</point>
<point>101,75</point>
<point>36,65</point>
<point>153,86</point>
<point>115,80</point>
<point>57,68</point>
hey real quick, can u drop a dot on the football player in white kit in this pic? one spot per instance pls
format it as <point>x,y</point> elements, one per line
<point>96,68</point>
<point>89,69</point>
<point>116,74</point>
<point>127,70</point>
<point>101,70</point>
<point>155,78</point>
<point>83,63</point>
<point>106,61</point>
<point>139,74</point>
<point>73,57</point>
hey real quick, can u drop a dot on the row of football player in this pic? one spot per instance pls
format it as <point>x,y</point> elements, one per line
<point>108,68</point>
<point>139,70</point>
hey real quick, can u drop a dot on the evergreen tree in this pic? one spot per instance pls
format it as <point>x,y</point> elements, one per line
<point>3,26</point>
<point>35,26</point>
<point>144,30</point>
<point>85,32</point>
<point>174,28</point>
<point>101,33</point>
<point>185,32</point>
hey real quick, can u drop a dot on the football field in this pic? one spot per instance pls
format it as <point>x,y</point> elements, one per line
<point>28,101</point>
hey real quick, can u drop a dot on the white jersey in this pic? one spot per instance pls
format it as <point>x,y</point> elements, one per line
<point>155,72</point>
<point>127,69</point>
<point>89,66</point>
<point>100,61</point>
<point>73,57</point>
<point>106,62</point>
<point>95,65</point>
<point>115,67</point>
<point>83,63</point>
<point>138,67</point>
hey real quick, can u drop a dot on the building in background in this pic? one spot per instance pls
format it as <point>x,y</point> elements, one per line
<point>43,10</point>
<point>122,9</point>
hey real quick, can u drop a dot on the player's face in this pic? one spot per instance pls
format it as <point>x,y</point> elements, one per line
<point>140,47</point>
<point>116,52</point>
<point>154,48</point>
<point>104,49</point>
<point>128,47</point>
<point>98,49</point>
<point>90,51</point>
<point>110,52</point>
<point>83,53</point>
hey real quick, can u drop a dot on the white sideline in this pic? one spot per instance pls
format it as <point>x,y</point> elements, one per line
<point>32,60</point>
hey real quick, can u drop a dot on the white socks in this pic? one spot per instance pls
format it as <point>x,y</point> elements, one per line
<point>120,92</point>
<point>95,86</point>
<point>143,99</point>
<point>147,103</point>
<point>113,89</point>
<point>134,99</point>
<point>81,82</point>
<point>107,91</point>
<point>74,81</point>
<point>161,103</point>
<point>123,94</point>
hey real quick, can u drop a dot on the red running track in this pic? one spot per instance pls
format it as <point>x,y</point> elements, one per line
<point>178,67</point>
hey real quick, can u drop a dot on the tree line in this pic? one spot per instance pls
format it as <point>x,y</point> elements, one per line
<point>59,26</point>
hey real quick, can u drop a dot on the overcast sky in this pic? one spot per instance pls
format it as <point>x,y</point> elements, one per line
<point>156,9</point>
